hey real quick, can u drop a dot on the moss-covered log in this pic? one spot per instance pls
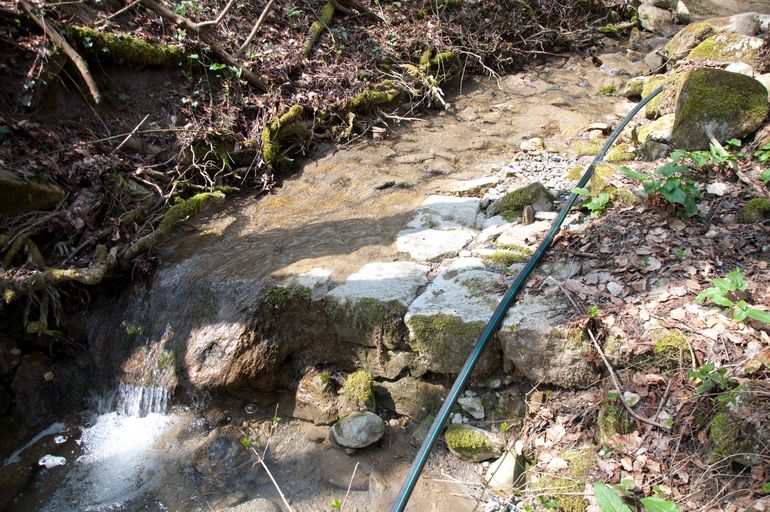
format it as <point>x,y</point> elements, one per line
<point>324,20</point>
<point>124,48</point>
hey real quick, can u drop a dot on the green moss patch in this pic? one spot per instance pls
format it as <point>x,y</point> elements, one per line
<point>472,443</point>
<point>284,127</point>
<point>358,388</point>
<point>123,48</point>
<point>278,297</point>
<point>566,486</point>
<point>620,153</point>
<point>726,436</point>
<point>186,209</point>
<point>18,196</point>
<point>727,48</point>
<point>755,210</point>
<point>443,341</point>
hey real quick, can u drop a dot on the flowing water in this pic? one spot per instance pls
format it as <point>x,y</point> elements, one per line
<point>342,210</point>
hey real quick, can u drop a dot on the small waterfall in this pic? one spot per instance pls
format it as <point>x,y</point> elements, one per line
<point>139,401</point>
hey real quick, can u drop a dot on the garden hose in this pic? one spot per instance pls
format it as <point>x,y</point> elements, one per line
<point>497,318</point>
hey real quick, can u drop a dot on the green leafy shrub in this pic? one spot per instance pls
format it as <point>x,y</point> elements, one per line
<point>672,182</point>
<point>595,204</point>
<point>725,292</point>
<point>609,501</point>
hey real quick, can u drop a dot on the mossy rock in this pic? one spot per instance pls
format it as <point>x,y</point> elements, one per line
<point>726,436</point>
<point>672,349</point>
<point>473,444</point>
<point>658,130</point>
<point>123,48</point>
<point>410,397</point>
<point>566,486</point>
<point>511,204</point>
<point>634,87</point>
<point>20,196</point>
<point>620,153</point>
<point>713,101</point>
<point>442,342</point>
<point>358,390</point>
<point>692,35</point>
<point>665,102</point>
<point>755,210</point>
<point>367,321</point>
<point>727,48</point>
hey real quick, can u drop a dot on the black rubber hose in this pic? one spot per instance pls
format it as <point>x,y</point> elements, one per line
<point>497,318</point>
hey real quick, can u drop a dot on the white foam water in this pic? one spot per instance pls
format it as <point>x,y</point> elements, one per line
<point>120,461</point>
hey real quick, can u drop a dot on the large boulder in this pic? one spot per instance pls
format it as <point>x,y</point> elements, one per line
<point>727,48</point>
<point>410,397</point>
<point>446,320</point>
<point>748,24</point>
<point>657,20</point>
<point>719,103</point>
<point>540,345</point>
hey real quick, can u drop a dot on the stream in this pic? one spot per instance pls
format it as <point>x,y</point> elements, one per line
<point>147,450</point>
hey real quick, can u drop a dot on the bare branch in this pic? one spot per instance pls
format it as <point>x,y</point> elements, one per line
<point>254,30</point>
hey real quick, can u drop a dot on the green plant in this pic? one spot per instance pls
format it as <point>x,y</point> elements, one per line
<point>595,204</point>
<point>763,154</point>
<point>593,311</point>
<point>725,293</point>
<point>336,504</point>
<point>293,12</point>
<point>188,6</point>
<point>715,159</point>
<point>672,182</point>
<point>711,378</point>
<point>609,501</point>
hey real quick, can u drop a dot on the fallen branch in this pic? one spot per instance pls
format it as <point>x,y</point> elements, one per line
<point>216,21</point>
<point>350,485</point>
<point>132,133</point>
<point>53,34</point>
<point>619,389</point>
<point>323,21</point>
<point>257,25</point>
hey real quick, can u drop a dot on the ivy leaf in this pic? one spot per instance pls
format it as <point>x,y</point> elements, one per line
<point>723,301</point>
<point>758,314</point>
<point>655,504</point>
<point>634,175</point>
<point>607,500</point>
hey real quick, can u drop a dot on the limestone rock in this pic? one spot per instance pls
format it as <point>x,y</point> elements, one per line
<point>727,48</point>
<point>682,13</point>
<point>384,282</point>
<point>358,430</point>
<point>316,399</point>
<point>506,472</point>
<point>441,212</point>
<point>541,348</point>
<point>657,20</point>
<point>433,244</point>
<point>634,87</point>
<point>658,130</point>
<point>20,196</point>
<point>447,319</point>
<point>764,80</point>
<point>741,68</point>
<point>472,405</point>
<point>726,104</point>
<point>533,144</point>
<point>410,397</point>
<point>473,444</point>
<point>662,4</point>
<point>524,235</point>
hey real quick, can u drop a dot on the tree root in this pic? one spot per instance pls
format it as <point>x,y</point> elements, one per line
<point>324,20</point>
<point>288,125</point>
<point>53,34</point>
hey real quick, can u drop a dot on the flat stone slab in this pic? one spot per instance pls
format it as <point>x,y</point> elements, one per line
<point>446,212</point>
<point>432,244</point>
<point>385,282</point>
<point>524,235</point>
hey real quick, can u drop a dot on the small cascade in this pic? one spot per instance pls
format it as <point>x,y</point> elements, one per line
<point>139,401</point>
